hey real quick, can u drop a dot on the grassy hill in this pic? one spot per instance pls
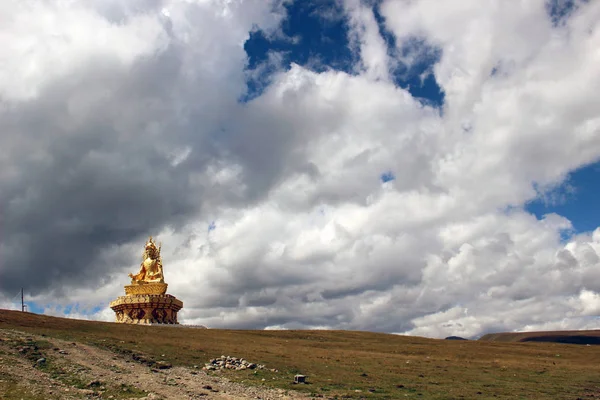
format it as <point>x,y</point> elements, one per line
<point>567,337</point>
<point>346,364</point>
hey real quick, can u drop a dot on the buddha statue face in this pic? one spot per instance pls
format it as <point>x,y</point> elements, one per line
<point>151,249</point>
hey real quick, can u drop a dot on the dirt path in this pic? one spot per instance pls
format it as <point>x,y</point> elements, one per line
<point>76,371</point>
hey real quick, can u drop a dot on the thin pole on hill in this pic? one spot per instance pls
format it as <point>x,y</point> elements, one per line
<point>22,302</point>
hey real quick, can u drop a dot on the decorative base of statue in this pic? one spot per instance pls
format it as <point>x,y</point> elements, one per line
<point>146,309</point>
<point>145,301</point>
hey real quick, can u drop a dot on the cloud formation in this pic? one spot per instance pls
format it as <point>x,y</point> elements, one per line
<point>121,121</point>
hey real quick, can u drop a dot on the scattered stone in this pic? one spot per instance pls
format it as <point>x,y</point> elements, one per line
<point>163,365</point>
<point>94,383</point>
<point>41,361</point>
<point>300,378</point>
<point>234,363</point>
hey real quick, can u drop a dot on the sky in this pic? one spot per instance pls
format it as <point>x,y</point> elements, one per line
<point>414,167</point>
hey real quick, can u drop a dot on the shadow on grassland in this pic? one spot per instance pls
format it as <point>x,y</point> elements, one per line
<point>564,339</point>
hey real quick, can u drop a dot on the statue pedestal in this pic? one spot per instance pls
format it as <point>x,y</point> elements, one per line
<point>142,306</point>
<point>146,288</point>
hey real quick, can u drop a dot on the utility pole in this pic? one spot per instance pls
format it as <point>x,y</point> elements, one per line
<point>22,302</point>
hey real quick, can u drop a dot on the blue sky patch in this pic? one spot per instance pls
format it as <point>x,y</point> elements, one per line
<point>387,177</point>
<point>417,78</point>
<point>212,226</point>
<point>560,10</point>
<point>33,307</point>
<point>576,199</point>
<point>315,36</point>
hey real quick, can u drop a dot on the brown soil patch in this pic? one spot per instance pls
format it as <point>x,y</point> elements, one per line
<point>79,371</point>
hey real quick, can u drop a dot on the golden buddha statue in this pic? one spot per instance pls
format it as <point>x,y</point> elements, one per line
<point>151,268</point>
<point>146,300</point>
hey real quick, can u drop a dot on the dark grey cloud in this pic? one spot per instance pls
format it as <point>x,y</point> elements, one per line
<point>81,183</point>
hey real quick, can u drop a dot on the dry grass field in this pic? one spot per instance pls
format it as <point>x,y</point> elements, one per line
<point>343,364</point>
